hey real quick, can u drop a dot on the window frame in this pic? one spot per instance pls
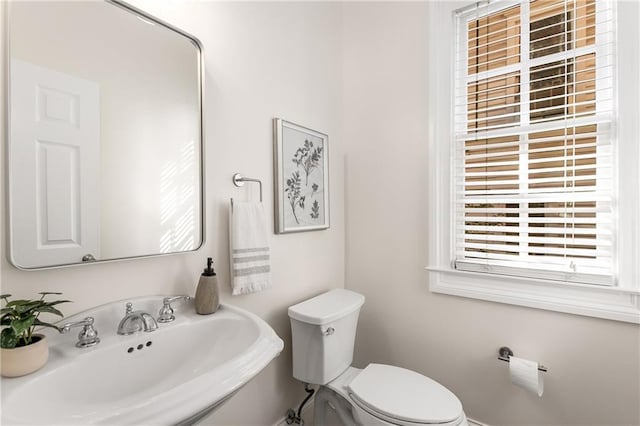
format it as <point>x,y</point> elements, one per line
<point>618,302</point>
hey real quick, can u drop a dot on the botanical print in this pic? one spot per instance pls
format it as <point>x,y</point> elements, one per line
<point>315,210</point>
<point>302,155</point>
<point>303,166</point>
<point>308,157</point>
<point>293,194</point>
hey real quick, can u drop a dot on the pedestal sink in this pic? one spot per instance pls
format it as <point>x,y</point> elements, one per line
<point>174,375</point>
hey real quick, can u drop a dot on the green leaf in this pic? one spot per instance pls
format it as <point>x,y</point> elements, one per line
<point>44,293</point>
<point>8,339</point>
<point>51,310</point>
<point>38,323</point>
<point>27,307</point>
<point>57,302</point>
<point>4,296</point>
<point>18,302</point>
<point>21,325</point>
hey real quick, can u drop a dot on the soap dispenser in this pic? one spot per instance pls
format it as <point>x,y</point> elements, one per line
<point>207,294</point>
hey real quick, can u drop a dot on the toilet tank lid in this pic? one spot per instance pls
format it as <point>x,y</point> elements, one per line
<point>327,307</point>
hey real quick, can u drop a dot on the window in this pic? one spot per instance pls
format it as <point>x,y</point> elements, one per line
<point>533,140</point>
<point>534,146</point>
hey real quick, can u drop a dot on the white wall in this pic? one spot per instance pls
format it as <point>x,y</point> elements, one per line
<point>594,370</point>
<point>263,60</point>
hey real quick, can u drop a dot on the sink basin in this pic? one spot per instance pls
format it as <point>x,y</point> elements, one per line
<point>174,375</point>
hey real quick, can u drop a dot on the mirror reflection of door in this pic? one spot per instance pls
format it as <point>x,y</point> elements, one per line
<point>110,165</point>
<point>55,149</point>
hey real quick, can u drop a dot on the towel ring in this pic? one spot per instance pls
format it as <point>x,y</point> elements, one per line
<point>239,180</point>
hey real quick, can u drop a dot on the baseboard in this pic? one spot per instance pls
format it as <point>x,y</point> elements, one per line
<point>475,422</point>
<point>307,407</point>
<point>305,410</point>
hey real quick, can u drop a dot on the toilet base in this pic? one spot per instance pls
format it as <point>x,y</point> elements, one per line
<point>326,400</point>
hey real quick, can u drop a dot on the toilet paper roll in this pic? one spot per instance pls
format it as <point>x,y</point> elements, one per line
<point>525,373</point>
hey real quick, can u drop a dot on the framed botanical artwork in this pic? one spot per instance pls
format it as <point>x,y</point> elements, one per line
<point>301,161</point>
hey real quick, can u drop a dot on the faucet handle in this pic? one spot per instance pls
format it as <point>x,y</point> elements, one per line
<point>170,300</point>
<point>88,336</point>
<point>166,312</point>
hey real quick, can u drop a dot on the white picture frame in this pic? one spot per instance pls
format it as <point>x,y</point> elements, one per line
<point>301,172</point>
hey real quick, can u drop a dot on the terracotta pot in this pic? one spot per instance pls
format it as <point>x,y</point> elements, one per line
<point>24,359</point>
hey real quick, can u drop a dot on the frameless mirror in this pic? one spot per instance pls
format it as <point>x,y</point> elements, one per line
<point>105,134</point>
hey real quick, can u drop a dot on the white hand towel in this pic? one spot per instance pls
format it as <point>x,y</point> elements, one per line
<point>249,248</point>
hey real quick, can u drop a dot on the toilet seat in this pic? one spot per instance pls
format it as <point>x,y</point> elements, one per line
<point>404,397</point>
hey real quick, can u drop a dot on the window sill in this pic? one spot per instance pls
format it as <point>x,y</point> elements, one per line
<point>613,303</point>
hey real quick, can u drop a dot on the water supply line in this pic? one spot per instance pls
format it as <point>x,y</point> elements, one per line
<point>292,417</point>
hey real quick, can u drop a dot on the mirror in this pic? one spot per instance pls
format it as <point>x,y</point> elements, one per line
<point>105,134</point>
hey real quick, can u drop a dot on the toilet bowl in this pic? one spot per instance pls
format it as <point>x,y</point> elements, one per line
<point>387,395</point>
<point>323,331</point>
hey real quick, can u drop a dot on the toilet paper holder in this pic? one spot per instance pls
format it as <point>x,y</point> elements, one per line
<point>505,352</point>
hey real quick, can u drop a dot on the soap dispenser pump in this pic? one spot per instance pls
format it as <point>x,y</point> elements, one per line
<point>207,293</point>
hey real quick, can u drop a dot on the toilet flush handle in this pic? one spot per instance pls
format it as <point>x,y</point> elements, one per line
<point>329,331</point>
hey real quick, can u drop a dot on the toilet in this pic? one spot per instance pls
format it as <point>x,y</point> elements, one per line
<point>323,330</point>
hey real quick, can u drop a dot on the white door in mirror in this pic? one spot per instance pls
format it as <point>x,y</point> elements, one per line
<point>55,151</point>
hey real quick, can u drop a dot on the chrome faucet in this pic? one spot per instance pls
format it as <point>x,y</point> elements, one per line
<point>166,312</point>
<point>134,322</point>
<point>88,336</point>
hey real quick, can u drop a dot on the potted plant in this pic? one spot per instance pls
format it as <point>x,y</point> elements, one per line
<point>22,350</point>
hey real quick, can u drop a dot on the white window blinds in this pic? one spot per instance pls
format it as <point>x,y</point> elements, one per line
<point>533,135</point>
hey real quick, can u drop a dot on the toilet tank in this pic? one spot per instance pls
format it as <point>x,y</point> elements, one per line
<point>323,330</point>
